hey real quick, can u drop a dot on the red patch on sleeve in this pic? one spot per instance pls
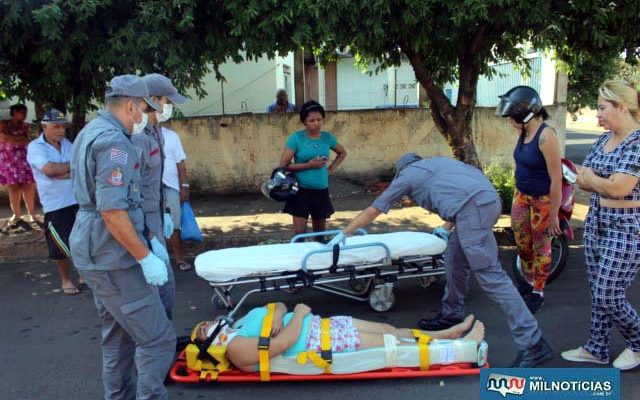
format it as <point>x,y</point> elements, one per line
<point>154,152</point>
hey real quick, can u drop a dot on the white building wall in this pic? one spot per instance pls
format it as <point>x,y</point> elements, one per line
<point>548,77</point>
<point>249,86</point>
<point>394,86</point>
<point>357,90</point>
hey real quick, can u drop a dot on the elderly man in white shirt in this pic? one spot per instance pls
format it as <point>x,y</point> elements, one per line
<point>49,157</point>
<point>176,189</point>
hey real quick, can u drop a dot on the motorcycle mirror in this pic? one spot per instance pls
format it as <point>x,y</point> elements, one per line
<point>569,175</point>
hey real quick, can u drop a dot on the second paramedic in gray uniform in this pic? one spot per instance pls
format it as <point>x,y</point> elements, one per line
<point>110,252</point>
<point>151,144</point>
<point>463,196</point>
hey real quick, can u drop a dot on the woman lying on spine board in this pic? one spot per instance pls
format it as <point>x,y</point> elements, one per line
<point>300,331</point>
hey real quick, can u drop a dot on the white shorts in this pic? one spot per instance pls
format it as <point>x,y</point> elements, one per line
<point>172,200</point>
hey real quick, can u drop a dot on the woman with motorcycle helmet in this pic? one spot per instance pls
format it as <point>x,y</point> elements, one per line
<point>536,201</point>
<point>306,154</point>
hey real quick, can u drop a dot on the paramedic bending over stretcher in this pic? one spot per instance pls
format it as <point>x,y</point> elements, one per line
<point>463,197</point>
<point>299,331</point>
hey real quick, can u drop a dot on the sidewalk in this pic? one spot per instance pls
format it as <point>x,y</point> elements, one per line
<point>243,220</point>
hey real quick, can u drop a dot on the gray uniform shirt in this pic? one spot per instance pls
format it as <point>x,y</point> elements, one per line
<point>439,184</point>
<point>151,145</point>
<point>105,172</point>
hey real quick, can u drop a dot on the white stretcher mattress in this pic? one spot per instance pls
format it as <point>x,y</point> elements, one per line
<point>228,264</point>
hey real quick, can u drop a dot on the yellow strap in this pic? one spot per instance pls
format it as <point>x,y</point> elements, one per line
<point>263,343</point>
<point>212,373</point>
<point>325,345</point>
<point>325,334</point>
<point>423,347</point>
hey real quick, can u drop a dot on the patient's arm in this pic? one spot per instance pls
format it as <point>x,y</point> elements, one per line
<point>278,318</point>
<point>243,352</point>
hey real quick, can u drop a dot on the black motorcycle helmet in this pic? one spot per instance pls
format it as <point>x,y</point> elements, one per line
<point>282,185</point>
<point>520,103</point>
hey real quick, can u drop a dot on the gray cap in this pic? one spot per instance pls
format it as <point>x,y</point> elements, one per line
<point>129,86</point>
<point>405,160</point>
<point>159,85</point>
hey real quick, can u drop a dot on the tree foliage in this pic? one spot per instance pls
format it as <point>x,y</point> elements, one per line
<point>63,52</point>
<point>444,40</point>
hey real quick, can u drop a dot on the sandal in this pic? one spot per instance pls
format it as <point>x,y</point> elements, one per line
<point>581,355</point>
<point>184,266</point>
<point>70,290</point>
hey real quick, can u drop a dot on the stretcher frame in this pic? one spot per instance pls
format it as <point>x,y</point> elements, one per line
<point>182,374</point>
<point>372,282</point>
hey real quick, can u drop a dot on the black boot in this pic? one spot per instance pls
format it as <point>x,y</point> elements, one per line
<point>534,355</point>
<point>534,302</point>
<point>438,323</point>
<point>525,289</point>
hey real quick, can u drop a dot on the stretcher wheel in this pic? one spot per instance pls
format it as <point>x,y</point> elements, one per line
<point>381,298</point>
<point>217,302</point>
<point>360,285</point>
<point>426,281</point>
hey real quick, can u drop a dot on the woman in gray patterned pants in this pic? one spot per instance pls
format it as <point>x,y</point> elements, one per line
<point>612,229</point>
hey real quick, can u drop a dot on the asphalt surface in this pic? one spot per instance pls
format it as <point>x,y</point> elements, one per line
<point>578,143</point>
<point>51,342</point>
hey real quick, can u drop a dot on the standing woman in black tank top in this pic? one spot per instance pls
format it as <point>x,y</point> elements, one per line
<point>536,201</point>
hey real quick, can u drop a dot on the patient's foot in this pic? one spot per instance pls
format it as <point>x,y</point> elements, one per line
<point>476,333</point>
<point>455,331</point>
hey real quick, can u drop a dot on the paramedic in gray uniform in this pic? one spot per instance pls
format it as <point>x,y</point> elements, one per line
<point>110,251</point>
<point>464,198</point>
<point>151,149</point>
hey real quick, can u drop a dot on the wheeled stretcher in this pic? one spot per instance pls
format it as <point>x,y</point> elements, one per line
<point>370,264</point>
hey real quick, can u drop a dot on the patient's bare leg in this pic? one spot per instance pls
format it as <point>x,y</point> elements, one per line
<point>376,327</point>
<point>450,333</point>
<point>376,339</point>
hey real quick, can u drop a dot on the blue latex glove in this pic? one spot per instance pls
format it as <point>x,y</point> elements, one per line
<point>167,226</point>
<point>340,237</point>
<point>159,250</point>
<point>442,232</point>
<point>154,270</point>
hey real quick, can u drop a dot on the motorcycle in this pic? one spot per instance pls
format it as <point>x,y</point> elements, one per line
<point>559,244</point>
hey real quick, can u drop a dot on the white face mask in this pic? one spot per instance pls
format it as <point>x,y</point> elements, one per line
<point>167,112</point>
<point>138,128</point>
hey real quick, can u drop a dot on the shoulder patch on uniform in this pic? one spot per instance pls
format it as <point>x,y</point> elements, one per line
<point>115,179</point>
<point>119,156</point>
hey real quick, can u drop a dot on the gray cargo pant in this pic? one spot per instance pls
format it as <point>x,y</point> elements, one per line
<point>472,247</point>
<point>153,220</point>
<point>136,329</point>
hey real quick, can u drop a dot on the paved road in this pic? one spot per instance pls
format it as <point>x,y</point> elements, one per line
<point>578,143</point>
<point>51,349</point>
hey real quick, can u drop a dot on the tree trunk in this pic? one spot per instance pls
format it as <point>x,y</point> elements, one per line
<point>77,123</point>
<point>454,123</point>
<point>78,107</point>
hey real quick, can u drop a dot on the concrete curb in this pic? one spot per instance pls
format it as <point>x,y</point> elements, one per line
<point>32,247</point>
